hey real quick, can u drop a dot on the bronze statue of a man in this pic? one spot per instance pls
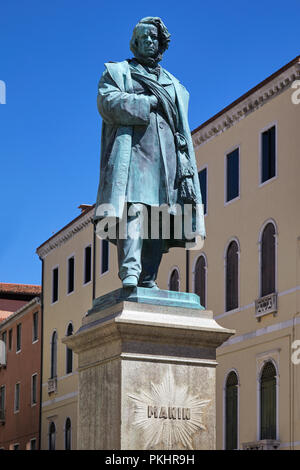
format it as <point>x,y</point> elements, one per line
<point>147,156</point>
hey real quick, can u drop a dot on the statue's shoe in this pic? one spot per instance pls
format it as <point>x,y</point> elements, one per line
<point>130,281</point>
<point>149,285</point>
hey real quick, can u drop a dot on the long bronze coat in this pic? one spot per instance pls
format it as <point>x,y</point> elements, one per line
<point>122,110</point>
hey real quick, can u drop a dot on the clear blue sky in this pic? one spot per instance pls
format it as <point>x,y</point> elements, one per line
<point>51,58</point>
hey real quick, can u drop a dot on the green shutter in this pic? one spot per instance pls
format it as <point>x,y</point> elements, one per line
<point>268,402</point>
<point>231,413</point>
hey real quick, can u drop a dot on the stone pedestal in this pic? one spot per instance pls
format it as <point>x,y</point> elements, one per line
<point>147,372</point>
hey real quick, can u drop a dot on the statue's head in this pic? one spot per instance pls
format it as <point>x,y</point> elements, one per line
<point>149,40</point>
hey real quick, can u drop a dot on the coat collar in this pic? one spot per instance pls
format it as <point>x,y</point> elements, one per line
<point>163,78</point>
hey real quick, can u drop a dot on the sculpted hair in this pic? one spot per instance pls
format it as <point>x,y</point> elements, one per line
<point>163,35</point>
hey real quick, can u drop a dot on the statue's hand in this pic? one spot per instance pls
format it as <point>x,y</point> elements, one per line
<point>153,102</point>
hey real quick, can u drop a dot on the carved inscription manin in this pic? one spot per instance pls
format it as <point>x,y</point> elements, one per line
<point>168,414</point>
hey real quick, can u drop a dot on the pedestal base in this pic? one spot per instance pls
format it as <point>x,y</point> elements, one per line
<point>147,372</point>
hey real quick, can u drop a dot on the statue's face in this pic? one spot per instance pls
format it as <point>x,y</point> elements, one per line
<point>147,40</point>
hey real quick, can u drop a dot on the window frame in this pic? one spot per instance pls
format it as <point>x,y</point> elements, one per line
<point>34,403</point>
<point>50,434</point>
<point>3,399</point>
<point>35,327</point>
<point>10,339</point>
<point>68,350</point>
<point>205,167</point>
<point>170,275</point>
<point>226,154</point>
<point>68,274</point>
<point>17,397</point>
<point>201,255</point>
<point>238,407</point>
<point>103,273</point>
<point>85,283</point>
<point>236,309</point>
<point>261,232</point>
<point>65,432</point>
<point>18,338</point>
<point>4,340</point>
<point>31,441</point>
<point>53,364</point>
<point>260,153</point>
<point>53,302</point>
<point>259,414</point>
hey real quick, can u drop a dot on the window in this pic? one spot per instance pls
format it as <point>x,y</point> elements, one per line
<point>200,279</point>
<point>87,264</point>
<point>2,403</point>
<point>34,389</point>
<point>232,175</point>
<point>69,352</point>
<point>268,154</point>
<point>19,337</point>
<point>35,331</point>
<point>17,398</point>
<point>16,446</point>
<point>232,273</point>
<point>104,256</point>
<point>268,261</point>
<point>10,340</point>
<point>4,339</point>
<point>174,280</point>
<point>55,285</point>
<point>268,402</point>
<point>33,444</point>
<point>54,355</point>
<point>71,275</point>
<point>203,187</point>
<point>52,435</point>
<point>231,412</point>
<point>68,434</point>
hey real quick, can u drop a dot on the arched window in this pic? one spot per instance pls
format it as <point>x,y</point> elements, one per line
<point>68,434</point>
<point>267,265</point>
<point>174,280</point>
<point>54,355</point>
<point>200,279</point>
<point>52,435</point>
<point>69,352</point>
<point>268,402</point>
<point>231,412</point>
<point>232,276</point>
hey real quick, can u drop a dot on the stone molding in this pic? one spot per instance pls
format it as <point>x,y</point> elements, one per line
<point>252,101</point>
<point>65,234</point>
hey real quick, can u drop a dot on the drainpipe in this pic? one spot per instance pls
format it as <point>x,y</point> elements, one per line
<point>94,261</point>
<point>42,349</point>
<point>187,271</point>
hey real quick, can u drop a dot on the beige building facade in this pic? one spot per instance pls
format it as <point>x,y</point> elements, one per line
<point>248,274</point>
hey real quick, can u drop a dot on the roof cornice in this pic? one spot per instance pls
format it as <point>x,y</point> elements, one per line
<point>254,99</point>
<point>20,312</point>
<point>66,233</point>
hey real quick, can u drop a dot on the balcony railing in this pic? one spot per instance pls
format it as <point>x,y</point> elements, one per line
<point>264,444</point>
<point>265,305</point>
<point>52,385</point>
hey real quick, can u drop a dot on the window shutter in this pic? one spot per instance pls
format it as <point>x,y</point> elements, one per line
<point>200,280</point>
<point>268,260</point>
<point>231,416</point>
<point>268,402</point>
<point>232,263</point>
<point>174,280</point>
